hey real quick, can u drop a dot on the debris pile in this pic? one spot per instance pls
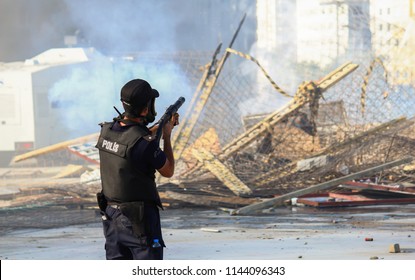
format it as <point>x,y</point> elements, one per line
<point>340,125</point>
<point>244,141</point>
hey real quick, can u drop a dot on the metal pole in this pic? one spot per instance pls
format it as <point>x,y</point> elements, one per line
<point>280,199</point>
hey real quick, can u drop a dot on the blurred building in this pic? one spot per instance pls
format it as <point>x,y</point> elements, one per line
<point>276,42</point>
<point>28,119</point>
<point>276,28</point>
<point>393,29</point>
<point>328,30</point>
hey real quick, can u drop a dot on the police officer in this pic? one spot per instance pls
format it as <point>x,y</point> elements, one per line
<point>129,158</point>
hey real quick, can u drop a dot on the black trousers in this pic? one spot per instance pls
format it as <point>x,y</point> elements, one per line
<point>122,244</point>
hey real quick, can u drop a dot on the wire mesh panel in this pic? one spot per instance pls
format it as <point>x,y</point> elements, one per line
<point>363,120</point>
<point>247,133</point>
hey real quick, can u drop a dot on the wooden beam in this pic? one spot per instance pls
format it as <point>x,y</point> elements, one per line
<point>209,200</point>
<point>221,172</point>
<point>277,201</point>
<point>55,147</point>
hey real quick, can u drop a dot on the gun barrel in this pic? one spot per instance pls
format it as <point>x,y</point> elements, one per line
<point>178,103</point>
<point>171,110</point>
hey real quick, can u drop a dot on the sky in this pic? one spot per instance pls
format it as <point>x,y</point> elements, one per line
<point>30,27</point>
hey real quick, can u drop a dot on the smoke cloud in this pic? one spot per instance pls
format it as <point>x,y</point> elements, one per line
<point>113,28</point>
<point>89,93</point>
<point>125,25</point>
<point>30,27</point>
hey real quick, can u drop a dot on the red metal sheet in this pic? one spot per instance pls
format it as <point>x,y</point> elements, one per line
<point>387,188</point>
<point>322,200</point>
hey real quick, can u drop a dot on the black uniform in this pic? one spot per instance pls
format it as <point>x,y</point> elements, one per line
<point>128,161</point>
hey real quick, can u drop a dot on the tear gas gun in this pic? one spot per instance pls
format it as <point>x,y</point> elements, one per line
<point>170,112</point>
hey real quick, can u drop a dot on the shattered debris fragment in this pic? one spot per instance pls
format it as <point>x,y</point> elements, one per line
<point>394,248</point>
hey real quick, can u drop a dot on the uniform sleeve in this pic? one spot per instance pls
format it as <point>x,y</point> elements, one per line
<point>148,155</point>
<point>155,156</point>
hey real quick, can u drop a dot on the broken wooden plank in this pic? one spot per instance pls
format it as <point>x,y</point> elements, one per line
<point>40,200</point>
<point>55,147</point>
<point>47,182</point>
<point>210,200</point>
<point>221,172</point>
<point>280,200</point>
<point>209,141</point>
<point>211,230</point>
<point>72,170</point>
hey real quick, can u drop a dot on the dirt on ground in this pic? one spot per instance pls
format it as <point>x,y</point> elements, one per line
<point>201,233</point>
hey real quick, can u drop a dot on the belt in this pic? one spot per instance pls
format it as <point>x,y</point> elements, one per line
<point>118,206</point>
<point>115,206</point>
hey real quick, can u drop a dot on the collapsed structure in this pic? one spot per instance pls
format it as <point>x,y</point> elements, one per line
<point>327,130</point>
<point>238,146</point>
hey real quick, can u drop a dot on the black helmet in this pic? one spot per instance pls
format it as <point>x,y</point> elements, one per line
<point>136,95</point>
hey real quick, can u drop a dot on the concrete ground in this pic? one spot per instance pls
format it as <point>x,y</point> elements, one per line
<point>286,233</point>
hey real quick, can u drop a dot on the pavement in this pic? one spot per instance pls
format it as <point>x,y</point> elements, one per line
<point>285,233</point>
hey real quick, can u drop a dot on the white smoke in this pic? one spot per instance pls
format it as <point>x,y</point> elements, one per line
<point>125,25</point>
<point>88,94</point>
<point>275,50</point>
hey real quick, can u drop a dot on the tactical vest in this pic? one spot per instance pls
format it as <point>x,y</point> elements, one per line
<point>121,180</point>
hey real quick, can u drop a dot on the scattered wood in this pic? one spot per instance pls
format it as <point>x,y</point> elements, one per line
<point>394,248</point>
<point>72,170</point>
<point>280,200</point>
<point>282,153</point>
<point>210,200</point>
<point>45,182</point>
<point>40,192</point>
<point>55,147</point>
<point>211,230</point>
<point>221,172</point>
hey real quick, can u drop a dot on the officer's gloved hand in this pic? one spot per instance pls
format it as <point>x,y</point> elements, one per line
<point>168,127</point>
